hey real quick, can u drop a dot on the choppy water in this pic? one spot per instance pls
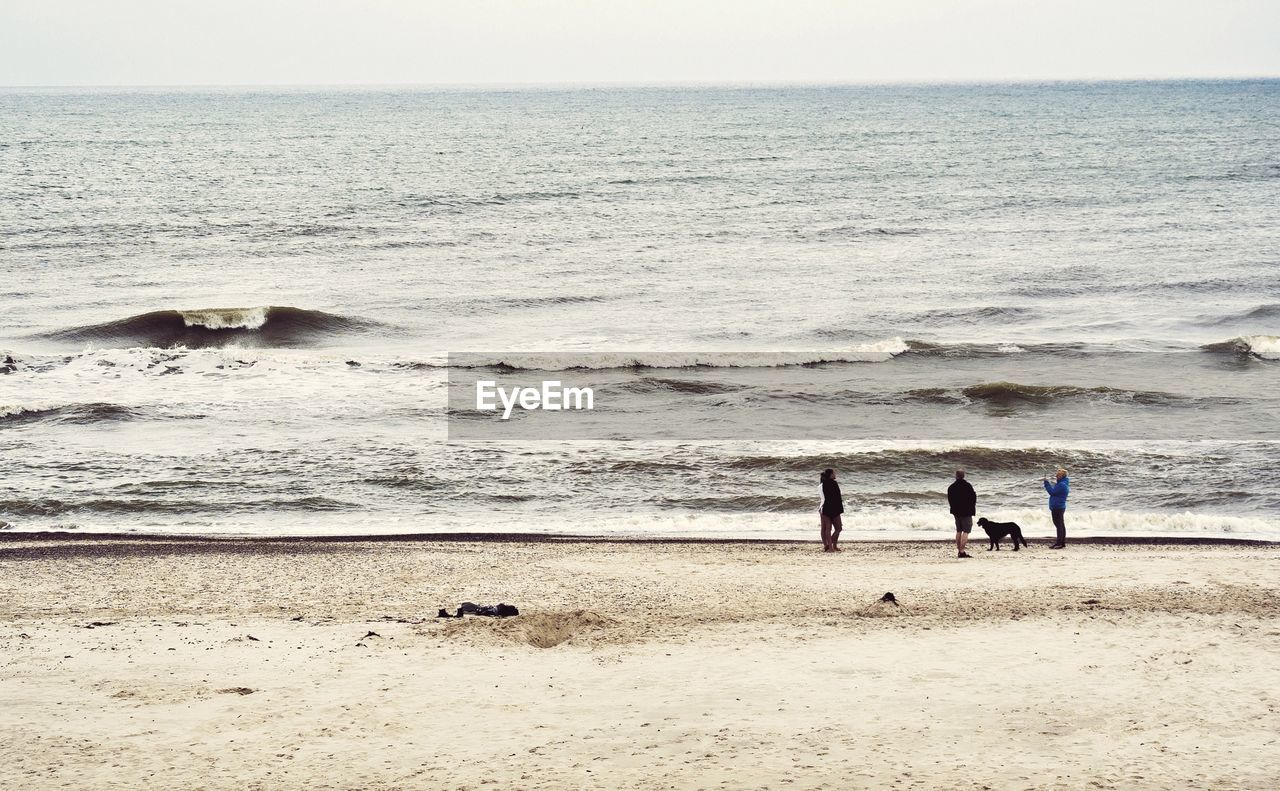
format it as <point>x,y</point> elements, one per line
<point>1009,278</point>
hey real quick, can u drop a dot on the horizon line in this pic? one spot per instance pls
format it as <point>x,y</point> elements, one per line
<point>616,84</point>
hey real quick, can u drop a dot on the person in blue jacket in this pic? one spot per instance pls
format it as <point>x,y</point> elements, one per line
<point>1058,491</point>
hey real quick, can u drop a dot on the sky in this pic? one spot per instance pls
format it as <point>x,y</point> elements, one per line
<point>505,42</point>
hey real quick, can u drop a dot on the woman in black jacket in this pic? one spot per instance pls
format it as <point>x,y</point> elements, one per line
<point>830,507</point>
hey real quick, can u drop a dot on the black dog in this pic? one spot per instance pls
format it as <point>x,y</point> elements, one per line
<point>998,530</point>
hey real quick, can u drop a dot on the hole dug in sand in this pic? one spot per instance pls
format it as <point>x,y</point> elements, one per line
<point>545,630</point>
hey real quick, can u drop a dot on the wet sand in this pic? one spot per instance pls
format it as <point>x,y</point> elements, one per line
<point>249,664</point>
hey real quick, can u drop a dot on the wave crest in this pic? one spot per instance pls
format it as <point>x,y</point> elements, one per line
<point>227,318</point>
<point>983,350</point>
<point>925,460</point>
<point>1263,347</point>
<point>268,326</point>
<point>53,507</point>
<point>67,413</point>
<point>655,384</point>
<point>881,351</point>
<point>1014,394</point>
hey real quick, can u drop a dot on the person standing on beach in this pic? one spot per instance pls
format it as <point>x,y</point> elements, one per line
<point>964,504</point>
<point>830,507</point>
<point>1058,490</point>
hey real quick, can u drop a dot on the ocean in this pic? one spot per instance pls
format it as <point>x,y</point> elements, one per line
<point>232,311</point>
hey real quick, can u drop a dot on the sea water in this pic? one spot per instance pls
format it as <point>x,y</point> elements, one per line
<point>230,311</point>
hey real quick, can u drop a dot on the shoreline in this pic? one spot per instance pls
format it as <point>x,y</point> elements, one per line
<point>578,538</point>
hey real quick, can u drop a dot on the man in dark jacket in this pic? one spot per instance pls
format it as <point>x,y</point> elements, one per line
<point>830,507</point>
<point>964,504</point>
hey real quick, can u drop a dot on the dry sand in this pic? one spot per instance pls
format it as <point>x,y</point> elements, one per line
<point>142,664</point>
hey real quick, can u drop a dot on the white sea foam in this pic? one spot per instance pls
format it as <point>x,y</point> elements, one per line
<point>13,410</point>
<point>226,318</point>
<point>880,351</point>
<point>932,523</point>
<point>1265,346</point>
<point>886,524</point>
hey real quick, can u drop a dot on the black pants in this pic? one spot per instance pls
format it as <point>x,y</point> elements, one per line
<point>1059,524</point>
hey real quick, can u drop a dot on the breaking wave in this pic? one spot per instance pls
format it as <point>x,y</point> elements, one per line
<point>1005,395</point>
<point>881,351</point>
<point>1263,347</point>
<point>927,460</point>
<point>1015,394</point>
<point>12,414</point>
<point>737,503</point>
<point>49,506</point>
<point>979,350</point>
<point>270,326</point>
<point>654,384</point>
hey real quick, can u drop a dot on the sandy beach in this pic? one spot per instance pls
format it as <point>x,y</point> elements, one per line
<point>311,664</point>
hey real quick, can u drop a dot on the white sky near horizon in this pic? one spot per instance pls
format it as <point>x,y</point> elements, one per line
<point>471,42</point>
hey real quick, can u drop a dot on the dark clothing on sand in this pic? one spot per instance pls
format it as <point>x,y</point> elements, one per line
<point>489,610</point>
<point>963,499</point>
<point>832,502</point>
